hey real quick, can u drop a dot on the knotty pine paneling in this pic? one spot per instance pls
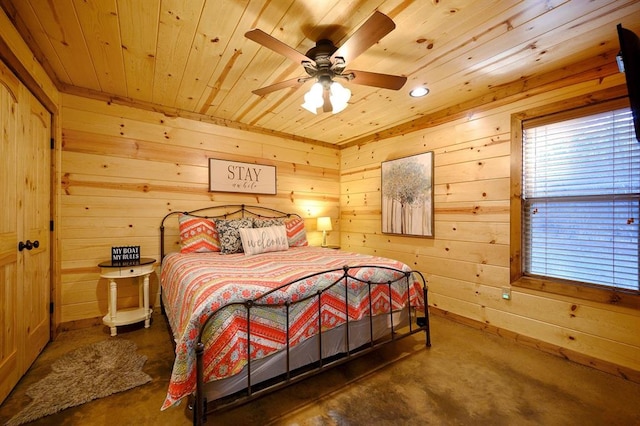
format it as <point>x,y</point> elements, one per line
<point>119,169</point>
<point>467,262</point>
<point>124,169</point>
<point>465,251</point>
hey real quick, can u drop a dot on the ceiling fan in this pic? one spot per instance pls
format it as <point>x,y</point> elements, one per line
<point>325,62</point>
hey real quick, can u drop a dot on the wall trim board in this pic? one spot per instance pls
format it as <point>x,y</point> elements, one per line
<point>568,354</point>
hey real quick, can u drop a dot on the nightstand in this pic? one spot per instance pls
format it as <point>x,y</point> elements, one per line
<point>331,247</point>
<point>114,271</point>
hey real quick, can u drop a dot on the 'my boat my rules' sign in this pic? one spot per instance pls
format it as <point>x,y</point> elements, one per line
<point>127,255</point>
<point>232,176</point>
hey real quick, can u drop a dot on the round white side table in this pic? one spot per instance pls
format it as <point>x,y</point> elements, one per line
<point>114,271</point>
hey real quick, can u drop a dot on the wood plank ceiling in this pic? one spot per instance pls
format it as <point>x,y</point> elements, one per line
<point>190,57</point>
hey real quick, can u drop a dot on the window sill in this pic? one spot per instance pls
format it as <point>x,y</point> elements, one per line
<point>627,299</point>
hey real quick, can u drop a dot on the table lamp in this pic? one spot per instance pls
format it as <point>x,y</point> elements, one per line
<point>324,225</point>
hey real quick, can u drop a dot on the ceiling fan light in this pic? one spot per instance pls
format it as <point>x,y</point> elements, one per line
<point>309,107</point>
<point>340,93</point>
<point>316,89</point>
<point>337,107</point>
<point>339,96</point>
<point>313,98</point>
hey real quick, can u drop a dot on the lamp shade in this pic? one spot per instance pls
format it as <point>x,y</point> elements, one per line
<point>313,98</point>
<point>324,224</point>
<point>339,96</point>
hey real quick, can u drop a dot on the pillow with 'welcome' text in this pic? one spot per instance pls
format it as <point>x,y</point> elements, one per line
<point>263,240</point>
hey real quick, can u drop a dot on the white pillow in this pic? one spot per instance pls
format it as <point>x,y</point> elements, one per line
<point>262,240</point>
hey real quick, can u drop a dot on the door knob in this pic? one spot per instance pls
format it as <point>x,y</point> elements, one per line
<point>28,245</point>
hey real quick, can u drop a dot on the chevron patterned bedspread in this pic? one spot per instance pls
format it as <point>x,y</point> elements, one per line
<point>196,284</point>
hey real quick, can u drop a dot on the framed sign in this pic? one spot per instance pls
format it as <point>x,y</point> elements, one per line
<point>125,254</point>
<point>407,195</point>
<point>233,176</point>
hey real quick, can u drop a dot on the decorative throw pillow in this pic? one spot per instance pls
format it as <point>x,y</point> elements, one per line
<point>267,221</point>
<point>197,235</point>
<point>229,236</point>
<point>295,232</point>
<point>263,240</point>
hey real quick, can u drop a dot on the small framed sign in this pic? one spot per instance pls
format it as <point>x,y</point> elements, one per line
<point>125,254</point>
<point>233,176</point>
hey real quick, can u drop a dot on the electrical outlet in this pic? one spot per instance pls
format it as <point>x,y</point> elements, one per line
<point>506,293</point>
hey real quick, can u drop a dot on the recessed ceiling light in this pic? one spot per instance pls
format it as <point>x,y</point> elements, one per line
<point>418,92</point>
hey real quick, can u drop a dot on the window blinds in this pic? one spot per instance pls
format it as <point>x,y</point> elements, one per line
<point>581,186</point>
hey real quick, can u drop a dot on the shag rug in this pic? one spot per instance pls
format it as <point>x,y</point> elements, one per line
<point>82,375</point>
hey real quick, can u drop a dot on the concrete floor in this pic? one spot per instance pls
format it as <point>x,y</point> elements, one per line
<point>466,378</point>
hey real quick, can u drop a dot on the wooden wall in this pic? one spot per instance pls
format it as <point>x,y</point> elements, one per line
<point>119,170</point>
<point>467,263</point>
<point>123,169</point>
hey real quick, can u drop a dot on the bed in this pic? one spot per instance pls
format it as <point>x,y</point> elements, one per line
<point>252,307</point>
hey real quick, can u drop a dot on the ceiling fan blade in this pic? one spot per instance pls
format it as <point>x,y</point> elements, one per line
<point>384,81</point>
<point>369,33</point>
<point>278,86</point>
<point>276,45</point>
<point>326,107</point>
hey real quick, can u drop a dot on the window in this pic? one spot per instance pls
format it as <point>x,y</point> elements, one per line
<point>581,199</point>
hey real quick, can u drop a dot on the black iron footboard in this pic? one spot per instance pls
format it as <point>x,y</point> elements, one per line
<point>201,407</point>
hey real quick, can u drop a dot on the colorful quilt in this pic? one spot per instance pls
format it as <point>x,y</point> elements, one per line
<point>195,284</point>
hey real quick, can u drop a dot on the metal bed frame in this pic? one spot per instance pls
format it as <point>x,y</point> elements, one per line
<point>201,407</point>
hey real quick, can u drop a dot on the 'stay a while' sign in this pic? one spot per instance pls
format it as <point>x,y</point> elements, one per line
<point>233,176</point>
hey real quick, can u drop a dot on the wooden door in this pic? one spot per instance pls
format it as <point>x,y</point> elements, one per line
<point>9,374</point>
<point>24,216</point>
<point>34,200</point>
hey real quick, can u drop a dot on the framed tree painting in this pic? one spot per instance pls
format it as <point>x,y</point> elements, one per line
<point>407,195</point>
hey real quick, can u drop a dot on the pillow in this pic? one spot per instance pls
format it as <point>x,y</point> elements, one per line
<point>198,235</point>
<point>263,240</point>
<point>295,232</point>
<point>266,222</point>
<point>228,233</point>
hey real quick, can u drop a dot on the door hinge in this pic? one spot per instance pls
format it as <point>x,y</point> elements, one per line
<point>51,225</point>
<point>53,143</point>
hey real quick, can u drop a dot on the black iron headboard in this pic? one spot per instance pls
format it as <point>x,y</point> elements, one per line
<point>227,211</point>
